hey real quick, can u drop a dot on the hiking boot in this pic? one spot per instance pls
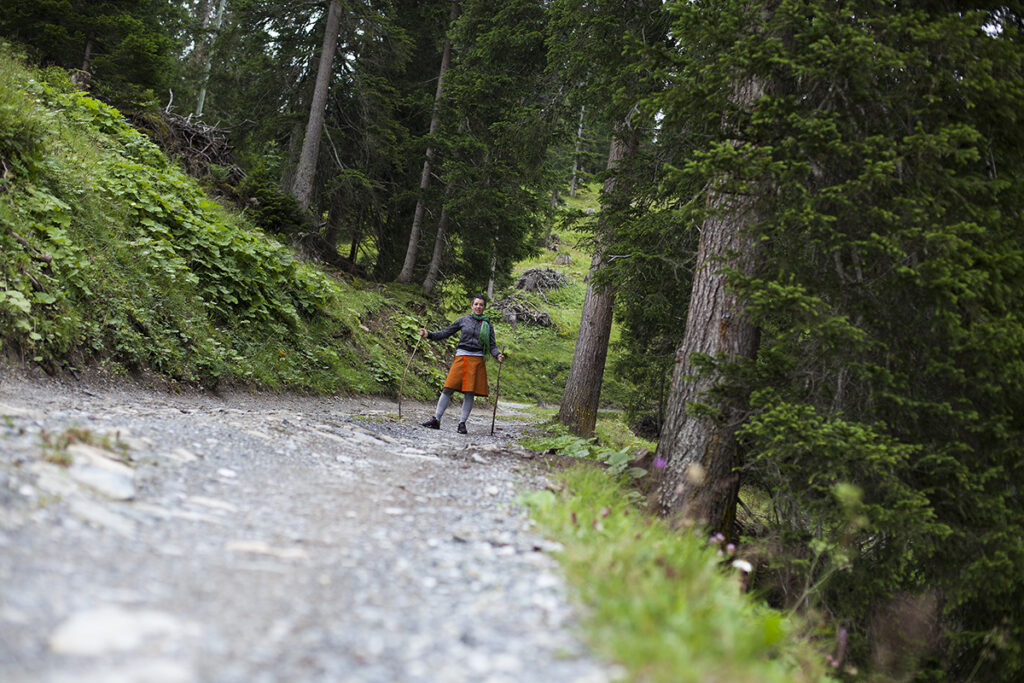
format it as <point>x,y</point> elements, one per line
<point>462,428</point>
<point>432,423</point>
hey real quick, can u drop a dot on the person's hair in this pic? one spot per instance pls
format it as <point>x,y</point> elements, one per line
<point>478,296</point>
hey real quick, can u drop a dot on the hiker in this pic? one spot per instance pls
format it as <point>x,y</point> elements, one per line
<point>468,373</point>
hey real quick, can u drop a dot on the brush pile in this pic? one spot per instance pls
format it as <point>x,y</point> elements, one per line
<point>516,309</point>
<point>541,280</point>
<point>203,150</point>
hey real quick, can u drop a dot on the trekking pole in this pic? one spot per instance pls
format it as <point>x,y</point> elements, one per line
<point>497,391</point>
<point>401,387</point>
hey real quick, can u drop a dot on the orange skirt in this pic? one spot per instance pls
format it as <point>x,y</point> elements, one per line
<point>468,373</point>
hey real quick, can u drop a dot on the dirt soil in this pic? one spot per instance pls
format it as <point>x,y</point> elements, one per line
<point>160,536</point>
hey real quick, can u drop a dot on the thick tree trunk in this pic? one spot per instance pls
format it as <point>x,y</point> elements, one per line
<point>701,479</point>
<point>576,154</point>
<point>582,393</point>
<point>302,186</point>
<point>208,57</point>
<point>435,122</point>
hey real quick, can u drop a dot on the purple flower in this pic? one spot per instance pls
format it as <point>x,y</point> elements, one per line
<point>660,462</point>
<point>730,548</point>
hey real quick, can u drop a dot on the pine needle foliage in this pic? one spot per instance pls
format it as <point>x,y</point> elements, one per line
<point>887,158</point>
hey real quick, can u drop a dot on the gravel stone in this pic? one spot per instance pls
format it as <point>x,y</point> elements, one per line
<point>271,538</point>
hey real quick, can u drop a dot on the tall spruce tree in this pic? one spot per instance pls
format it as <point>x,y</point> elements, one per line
<point>414,236</point>
<point>497,128</point>
<point>588,44</point>
<point>302,185</point>
<point>883,412</point>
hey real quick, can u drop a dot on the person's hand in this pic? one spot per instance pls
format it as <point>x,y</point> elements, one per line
<point>501,358</point>
<point>423,332</point>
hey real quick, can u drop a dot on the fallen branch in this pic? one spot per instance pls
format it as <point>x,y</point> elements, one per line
<point>4,187</point>
<point>36,286</point>
<point>35,253</point>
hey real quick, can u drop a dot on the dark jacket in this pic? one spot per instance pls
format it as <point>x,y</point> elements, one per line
<point>470,339</point>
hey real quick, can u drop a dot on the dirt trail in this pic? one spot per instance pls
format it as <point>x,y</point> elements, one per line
<point>268,538</point>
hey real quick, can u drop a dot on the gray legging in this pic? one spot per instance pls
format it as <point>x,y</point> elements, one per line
<point>446,398</point>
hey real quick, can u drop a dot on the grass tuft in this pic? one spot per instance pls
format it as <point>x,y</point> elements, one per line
<point>659,601</point>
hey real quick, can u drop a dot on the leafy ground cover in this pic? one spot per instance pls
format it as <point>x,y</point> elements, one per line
<point>668,604</point>
<point>115,257</point>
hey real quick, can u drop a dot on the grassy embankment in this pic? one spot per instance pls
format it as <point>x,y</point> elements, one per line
<point>113,258</point>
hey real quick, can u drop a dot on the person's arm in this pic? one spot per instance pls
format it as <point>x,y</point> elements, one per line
<point>445,333</point>
<point>494,343</point>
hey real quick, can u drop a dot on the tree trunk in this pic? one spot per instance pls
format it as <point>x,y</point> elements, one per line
<point>435,121</point>
<point>333,229</point>
<point>302,186</point>
<point>576,153</point>
<point>582,394</point>
<point>87,57</point>
<point>494,267</point>
<point>208,57</point>
<point>701,479</point>
<point>434,271</point>
<point>292,160</point>
<point>353,249</point>
<point>204,14</point>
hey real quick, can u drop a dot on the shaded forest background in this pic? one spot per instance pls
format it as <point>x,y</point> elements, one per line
<point>836,186</point>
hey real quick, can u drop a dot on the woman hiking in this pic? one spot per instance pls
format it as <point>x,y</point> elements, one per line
<point>468,373</point>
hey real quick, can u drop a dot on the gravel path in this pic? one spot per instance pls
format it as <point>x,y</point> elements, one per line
<point>159,537</point>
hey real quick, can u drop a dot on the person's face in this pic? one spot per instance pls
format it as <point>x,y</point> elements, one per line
<point>478,306</point>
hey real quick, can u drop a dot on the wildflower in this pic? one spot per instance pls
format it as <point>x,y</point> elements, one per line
<point>730,548</point>
<point>660,462</point>
<point>743,566</point>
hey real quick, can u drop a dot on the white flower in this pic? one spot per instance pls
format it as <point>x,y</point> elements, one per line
<point>743,566</point>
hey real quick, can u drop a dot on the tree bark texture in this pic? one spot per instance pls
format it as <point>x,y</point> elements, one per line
<point>576,153</point>
<point>440,241</point>
<point>701,479</point>
<point>582,394</point>
<point>302,186</point>
<point>494,268</point>
<point>435,121</point>
<point>207,55</point>
<point>87,56</point>
<point>204,16</point>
